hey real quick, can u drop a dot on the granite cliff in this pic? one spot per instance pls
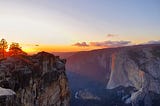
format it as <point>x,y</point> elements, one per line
<point>138,67</point>
<point>38,80</point>
<point>93,64</point>
<point>132,73</point>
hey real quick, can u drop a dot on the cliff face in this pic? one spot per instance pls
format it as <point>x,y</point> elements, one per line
<point>92,64</point>
<point>133,69</point>
<point>38,80</point>
<point>138,67</point>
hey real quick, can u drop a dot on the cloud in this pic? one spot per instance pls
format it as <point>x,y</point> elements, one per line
<point>83,44</point>
<point>110,43</point>
<point>112,35</point>
<point>153,42</point>
<point>104,44</point>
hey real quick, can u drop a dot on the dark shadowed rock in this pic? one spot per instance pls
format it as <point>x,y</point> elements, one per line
<point>37,80</point>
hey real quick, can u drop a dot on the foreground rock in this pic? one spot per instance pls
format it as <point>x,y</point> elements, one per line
<point>6,97</point>
<point>37,80</point>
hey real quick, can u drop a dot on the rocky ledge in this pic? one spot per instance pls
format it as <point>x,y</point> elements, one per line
<point>38,80</point>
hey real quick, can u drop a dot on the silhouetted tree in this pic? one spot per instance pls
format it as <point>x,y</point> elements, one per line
<point>15,49</point>
<point>3,46</point>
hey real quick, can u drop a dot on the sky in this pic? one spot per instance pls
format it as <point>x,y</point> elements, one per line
<point>75,25</point>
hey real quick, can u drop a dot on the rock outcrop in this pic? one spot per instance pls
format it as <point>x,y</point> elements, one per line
<point>138,67</point>
<point>86,95</point>
<point>38,80</point>
<point>6,97</point>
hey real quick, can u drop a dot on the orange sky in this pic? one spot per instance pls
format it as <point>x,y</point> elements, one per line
<point>56,25</point>
<point>56,48</point>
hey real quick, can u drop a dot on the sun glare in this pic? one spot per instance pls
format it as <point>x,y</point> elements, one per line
<point>29,50</point>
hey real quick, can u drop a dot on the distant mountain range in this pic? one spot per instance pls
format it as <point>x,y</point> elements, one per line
<point>64,54</point>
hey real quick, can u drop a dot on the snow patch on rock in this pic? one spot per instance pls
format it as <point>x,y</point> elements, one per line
<point>6,92</point>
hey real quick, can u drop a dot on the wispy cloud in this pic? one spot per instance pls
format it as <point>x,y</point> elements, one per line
<point>111,43</point>
<point>83,44</point>
<point>104,44</point>
<point>112,35</point>
<point>153,42</point>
